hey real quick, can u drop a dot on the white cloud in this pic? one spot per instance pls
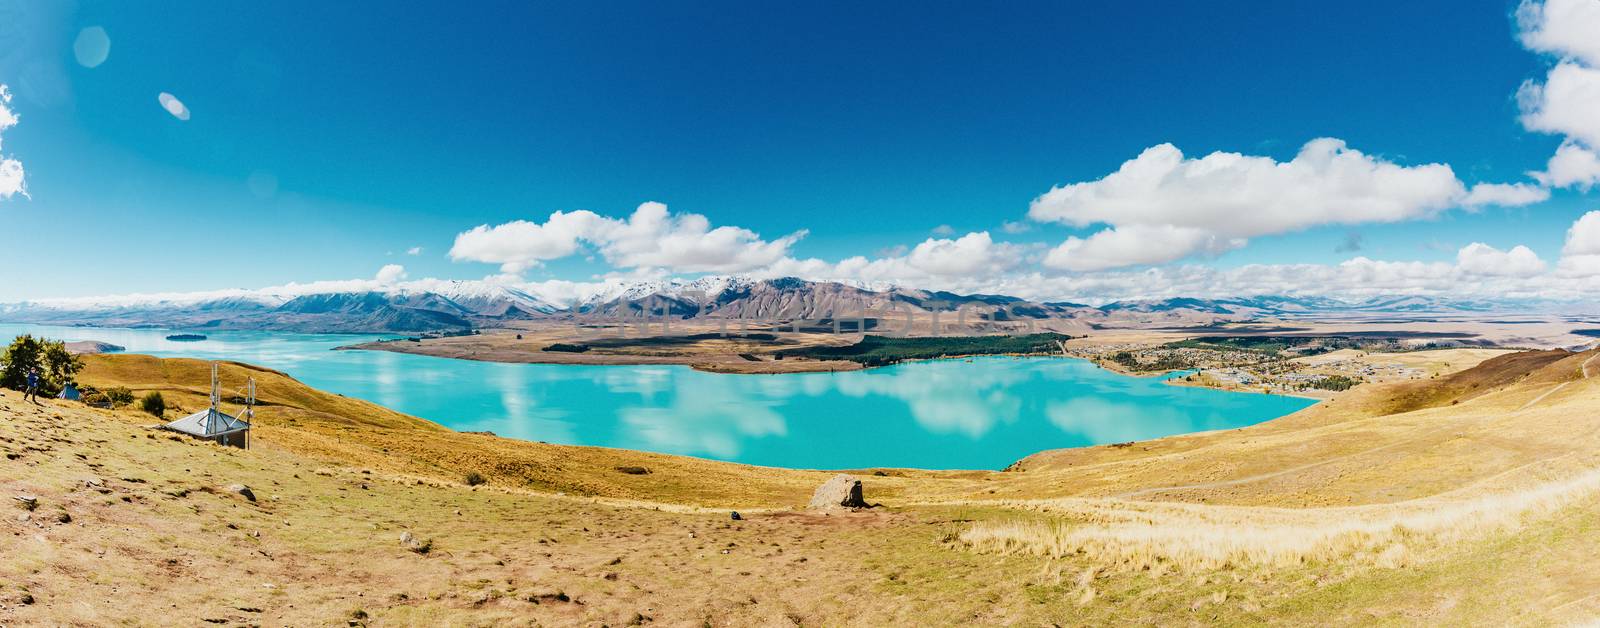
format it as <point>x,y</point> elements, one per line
<point>1583,238</point>
<point>1481,259</point>
<point>1572,165</point>
<point>686,243</point>
<point>11,175</point>
<point>1505,195</point>
<point>974,254</point>
<point>1580,256</point>
<point>1567,103</point>
<point>1136,244</point>
<point>944,230</point>
<point>520,245</point>
<point>390,274</point>
<point>1230,197</point>
<point>1565,28</point>
<point>935,262</point>
<point>650,238</point>
<point>415,250</point>
<point>1015,227</point>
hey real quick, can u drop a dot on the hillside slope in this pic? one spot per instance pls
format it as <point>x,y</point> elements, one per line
<point>1477,512</point>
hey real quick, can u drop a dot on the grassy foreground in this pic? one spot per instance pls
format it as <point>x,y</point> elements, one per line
<point>1467,499</point>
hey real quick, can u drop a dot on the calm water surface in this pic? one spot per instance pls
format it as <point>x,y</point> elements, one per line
<point>980,414</point>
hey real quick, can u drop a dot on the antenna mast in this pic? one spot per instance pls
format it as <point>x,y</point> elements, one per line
<point>216,399</point>
<point>250,400</point>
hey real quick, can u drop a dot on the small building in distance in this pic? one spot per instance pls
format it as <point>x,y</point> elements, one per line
<point>215,425</point>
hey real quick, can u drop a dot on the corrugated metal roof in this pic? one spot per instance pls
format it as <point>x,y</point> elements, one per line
<point>208,422</point>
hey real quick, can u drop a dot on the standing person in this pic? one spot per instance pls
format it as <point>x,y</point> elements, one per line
<point>32,389</point>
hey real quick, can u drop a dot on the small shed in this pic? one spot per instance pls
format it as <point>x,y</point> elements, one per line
<point>214,425</point>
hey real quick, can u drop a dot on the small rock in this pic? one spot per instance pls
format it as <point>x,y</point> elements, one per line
<point>27,502</point>
<point>406,537</point>
<point>736,516</point>
<point>63,517</point>
<point>242,491</point>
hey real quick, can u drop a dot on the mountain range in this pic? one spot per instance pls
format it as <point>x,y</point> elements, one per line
<point>460,305</point>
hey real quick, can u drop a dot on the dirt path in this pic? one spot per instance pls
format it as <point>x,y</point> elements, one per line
<point>1547,393</point>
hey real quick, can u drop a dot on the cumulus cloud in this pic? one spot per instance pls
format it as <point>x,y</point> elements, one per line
<point>1136,244</point>
<point>944,230</point>
<point>519,245</point>
<point>1572,165</point>
<point>11,175</point>
<point>1505,195</point>
<point>415,250</point>
<point>1219,201</point>
<point>390,274</point>
<point>970,255</point>
<point>935,262</point>
<point>1580,256</point>
<point>1565,28</point>
<point>1567,101</point>
<point>1481,259</point>
<point>650,238</point>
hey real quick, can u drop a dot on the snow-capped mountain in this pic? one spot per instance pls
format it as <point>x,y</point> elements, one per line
<point>433,305</point>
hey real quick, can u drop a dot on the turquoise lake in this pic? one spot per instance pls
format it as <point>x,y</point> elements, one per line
<point>983,413</point>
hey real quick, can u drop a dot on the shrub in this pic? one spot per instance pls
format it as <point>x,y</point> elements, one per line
<point>566,348</point>
<point>119,396</point>
<point>474,478</point>
<point>154,404</point>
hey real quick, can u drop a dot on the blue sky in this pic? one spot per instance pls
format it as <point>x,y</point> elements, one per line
<point>327,139</point>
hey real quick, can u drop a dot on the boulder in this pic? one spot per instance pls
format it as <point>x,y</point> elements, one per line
<point>242,491</point>
<point>840,491</point>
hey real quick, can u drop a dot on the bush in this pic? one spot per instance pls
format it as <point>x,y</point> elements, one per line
<point>474,478</point>
<point>154,404</point>
<point>119,396</point>
<point>566,348</point>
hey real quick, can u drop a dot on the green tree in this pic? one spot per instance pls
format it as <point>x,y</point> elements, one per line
<point>153,403</point>
<point>57,366</point>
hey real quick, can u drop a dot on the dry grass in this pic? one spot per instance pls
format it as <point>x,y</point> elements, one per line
<point>1159,535</point>
<point>1339,515</point>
